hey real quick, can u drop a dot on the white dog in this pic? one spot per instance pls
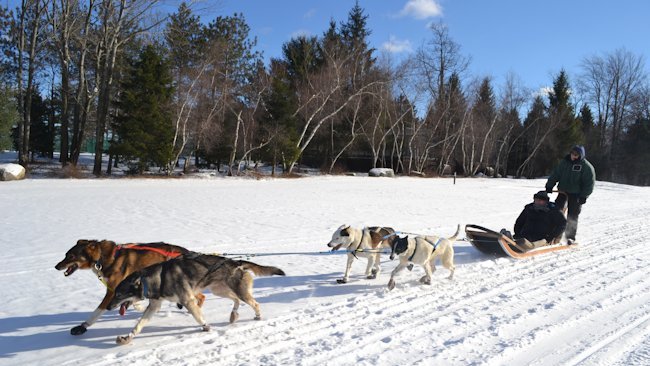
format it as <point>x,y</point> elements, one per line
<point>366,243</point>
<point>423,250</point>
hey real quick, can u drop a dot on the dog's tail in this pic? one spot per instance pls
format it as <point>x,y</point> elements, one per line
<point>260,270</point>
<point>455,236</point>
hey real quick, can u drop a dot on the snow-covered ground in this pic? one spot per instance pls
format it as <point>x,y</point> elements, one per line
<point>587,306</point>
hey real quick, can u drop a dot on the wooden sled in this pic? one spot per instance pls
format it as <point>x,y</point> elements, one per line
<point>491,242</point>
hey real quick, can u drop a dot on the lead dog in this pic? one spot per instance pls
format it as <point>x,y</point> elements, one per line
<point>423,250</point>
<point>367,243</point>
<point>112,263</point>
<point>179,279</point>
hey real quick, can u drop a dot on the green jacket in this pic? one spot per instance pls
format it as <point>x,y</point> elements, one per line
<point>573,177</point>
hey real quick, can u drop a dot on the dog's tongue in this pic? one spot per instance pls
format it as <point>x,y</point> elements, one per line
<point>122,309</point>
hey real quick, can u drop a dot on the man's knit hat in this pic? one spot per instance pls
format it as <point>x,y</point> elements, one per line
<point>542,195</point>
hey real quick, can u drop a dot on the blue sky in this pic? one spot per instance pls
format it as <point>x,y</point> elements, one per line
<point>534,39</point>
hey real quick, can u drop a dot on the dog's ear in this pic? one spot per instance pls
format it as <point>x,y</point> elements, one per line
<point>345,231</point>
<point>82,241</point>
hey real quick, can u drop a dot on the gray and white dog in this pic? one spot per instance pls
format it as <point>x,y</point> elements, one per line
<point>179,279</point>
<point>423,250</point>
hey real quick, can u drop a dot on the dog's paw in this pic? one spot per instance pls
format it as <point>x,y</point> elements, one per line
<point>122,340</point>
<point>425,280</point>
<point>179,305</point>
<point>257,317</point>
<point>205,327</point>
<point>234,316</point>
<point>341,280</point>
<point>372,276</point>
<point>78,330</point>
<point>391,284</point>
<point>410,267</point>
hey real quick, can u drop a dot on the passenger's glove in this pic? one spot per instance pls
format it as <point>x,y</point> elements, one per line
<point>582,200</point>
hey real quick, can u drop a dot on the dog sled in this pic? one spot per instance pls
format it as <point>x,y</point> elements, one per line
<point>494,243</point>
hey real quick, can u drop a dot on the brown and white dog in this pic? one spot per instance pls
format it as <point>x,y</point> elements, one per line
<point>367,242</point>
<point>112,263</point>
<point>423,250</point>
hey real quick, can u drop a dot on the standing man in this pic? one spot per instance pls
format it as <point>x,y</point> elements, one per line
<point>575,176</point>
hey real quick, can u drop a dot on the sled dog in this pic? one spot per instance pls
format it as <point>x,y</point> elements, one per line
<point>423,250</point>
<point>367,242</point>
<point>112,263</point>
<point>179,279</point>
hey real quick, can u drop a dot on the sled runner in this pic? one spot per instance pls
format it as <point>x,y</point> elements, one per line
<point>494,243</point>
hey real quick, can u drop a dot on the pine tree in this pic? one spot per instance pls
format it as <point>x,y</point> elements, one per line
<point>636,148</point>
<point>303,57</point>
<point>354,35</point>
<point>279,117</point>
<point>144,124</point>
<point>562,115</point>
<point>184,38</point>
<point>8,117</point>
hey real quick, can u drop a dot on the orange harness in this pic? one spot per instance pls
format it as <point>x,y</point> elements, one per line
<point>151,249</point>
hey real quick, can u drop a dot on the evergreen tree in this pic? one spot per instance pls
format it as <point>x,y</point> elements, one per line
<point>41,137</point>
<point>229,36</point>
<point>302,56</point>
<point>8,118</point>
<point>562,115</point>
<point>144,124</point>
<point>636,148</point>
<point>183,35</point>
<point>535,125</point>
<point>279,117</point>
<point>354,35</point>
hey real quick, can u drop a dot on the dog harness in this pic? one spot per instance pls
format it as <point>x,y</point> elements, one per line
<point>97,267</point>
<point>166,253</point>
<point>416,247</point>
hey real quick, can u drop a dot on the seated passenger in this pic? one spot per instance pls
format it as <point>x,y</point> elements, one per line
<point>540,223</point>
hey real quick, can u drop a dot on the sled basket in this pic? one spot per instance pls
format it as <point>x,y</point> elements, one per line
<point>493,243</point>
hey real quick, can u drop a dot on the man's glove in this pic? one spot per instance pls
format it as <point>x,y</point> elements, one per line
<point>582,200</point>
<point>549,190</point>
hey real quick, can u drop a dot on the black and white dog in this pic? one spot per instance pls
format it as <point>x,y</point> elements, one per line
<point>423,250</point>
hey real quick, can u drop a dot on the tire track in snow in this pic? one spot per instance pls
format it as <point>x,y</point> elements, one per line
<point>314,334</point>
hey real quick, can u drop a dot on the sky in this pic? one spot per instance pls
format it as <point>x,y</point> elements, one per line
<point>533,39</point>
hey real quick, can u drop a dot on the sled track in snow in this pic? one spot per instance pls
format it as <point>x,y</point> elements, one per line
<point>454,322</point>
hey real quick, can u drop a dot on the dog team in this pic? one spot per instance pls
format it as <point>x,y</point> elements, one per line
<point>165,272</point>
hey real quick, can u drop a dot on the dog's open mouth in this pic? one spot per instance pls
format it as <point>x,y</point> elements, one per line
<point>124,306</point>
<point>337,247</point>
<point>70,270</point>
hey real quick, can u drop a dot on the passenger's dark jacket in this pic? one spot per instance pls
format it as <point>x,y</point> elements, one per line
<point>540,222</point>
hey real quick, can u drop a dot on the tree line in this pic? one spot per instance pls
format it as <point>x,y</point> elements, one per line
<point>156,91</point>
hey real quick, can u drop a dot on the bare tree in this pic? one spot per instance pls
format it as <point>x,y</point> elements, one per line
<point>119,21</point>
<point>28,33</point>
<point>513,96</point>
<point>609,83</point>
<point>322,96</point>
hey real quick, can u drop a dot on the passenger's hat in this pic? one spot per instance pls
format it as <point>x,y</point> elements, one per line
<point>542,195</point>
